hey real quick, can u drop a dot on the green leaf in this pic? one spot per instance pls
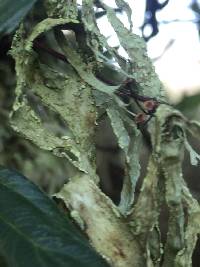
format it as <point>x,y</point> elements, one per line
<point>12,12</point>
<point>33,232</point>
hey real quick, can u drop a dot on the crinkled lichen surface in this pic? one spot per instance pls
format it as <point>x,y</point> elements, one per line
<point>126,235</point>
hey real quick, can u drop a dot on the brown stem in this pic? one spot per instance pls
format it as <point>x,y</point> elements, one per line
<point>38,45</point>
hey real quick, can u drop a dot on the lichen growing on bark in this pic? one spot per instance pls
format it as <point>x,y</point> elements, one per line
<point>127,234</point>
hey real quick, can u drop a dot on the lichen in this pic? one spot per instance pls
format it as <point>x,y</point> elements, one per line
<point>57,91</point>
<point>61,8</point>
<point>74,90</point>
<point>142,69</point>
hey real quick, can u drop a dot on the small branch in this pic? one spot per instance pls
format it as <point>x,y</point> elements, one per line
<point>103,224</point>
<point>37,45</point>
<point>169,44</point>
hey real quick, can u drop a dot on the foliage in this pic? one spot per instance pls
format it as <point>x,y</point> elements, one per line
<point>37,228</point>
<point>59,55</point>
<point>12,13</point>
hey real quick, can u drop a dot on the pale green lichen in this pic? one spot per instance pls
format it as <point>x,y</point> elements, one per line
<point>119,128</point>
<point>108,233</point>
<point>168,135</point>
<point>60,93</point>
<point>184,256</point>
<point>77,218</point>
<point>194,156</point>
<point>142,222</point>
<point>45,26</point>
<point>125,7</point>
<point>25,122</point>
<point>142,67</point>
<point>83,69</point>
<point>68,100</point>
<point>169,154</point>
<point>61,8</point>
<point>73,92</point>
<point>97,42</point>
<point>133,171</point>
<point>129,140</point>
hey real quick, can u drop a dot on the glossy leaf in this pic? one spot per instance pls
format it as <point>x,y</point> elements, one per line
<point>12,12</point>
<point>33,232</point>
